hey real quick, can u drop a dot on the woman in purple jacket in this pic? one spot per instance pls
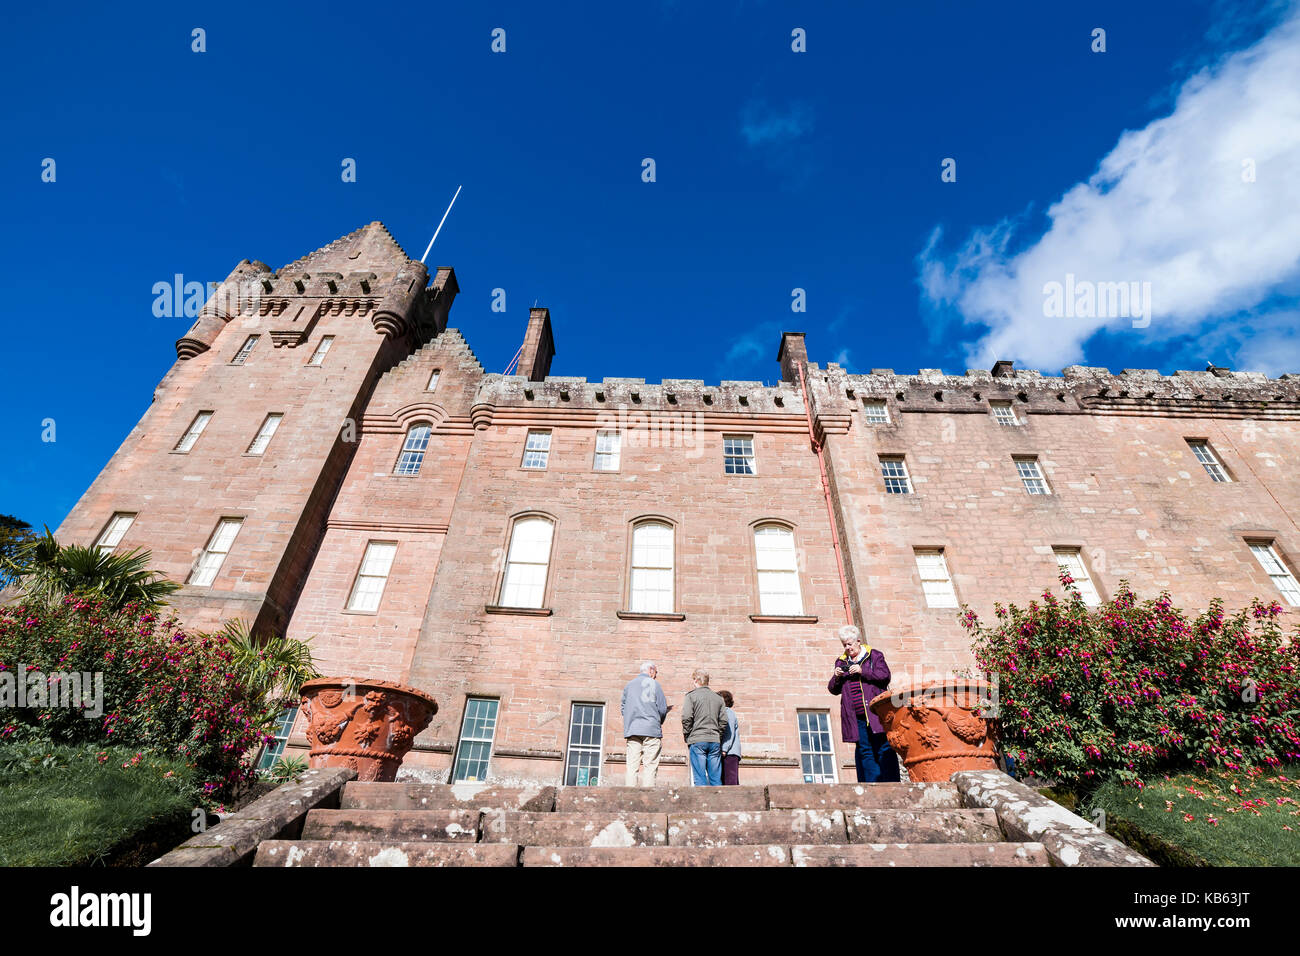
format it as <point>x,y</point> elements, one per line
<point>861,674</point>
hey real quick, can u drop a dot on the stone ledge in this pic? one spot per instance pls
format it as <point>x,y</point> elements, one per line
<point>278,815</point>
<point>1028,817</point>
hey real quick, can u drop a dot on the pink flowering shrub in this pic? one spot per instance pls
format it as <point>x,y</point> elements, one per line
<point>1132,689</point>
<point>166,691</point>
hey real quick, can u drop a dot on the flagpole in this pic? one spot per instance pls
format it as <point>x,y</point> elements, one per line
<point>439,229</point>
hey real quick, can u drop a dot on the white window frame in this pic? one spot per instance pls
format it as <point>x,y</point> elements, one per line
<point>264,434</point>
<point>1004,413</point>
<point>777,565</point>
<point>192,433</point>
<point>902,475</point>
<point>411,458</point>
<point>433,380</point>
<point>463,739</point>
<point>941,592</point>
<point>322,349</point>
<point>214,554</point>
<point>1071,561</point>
<point>113,532</point>
<point>1031,475</point>
<point>875,411</point>
<point>283,727</point>
<point>537,449</point>
<point>816,735</point>
<point>1266,554</point>
<point>376,565</point>
<point>572,748</point>
<point>1209,459</point>
<point>738,455</point>
<point>650,568</point>
<point>608,458</point>
<point>519,587</point>
<point>245,350</point>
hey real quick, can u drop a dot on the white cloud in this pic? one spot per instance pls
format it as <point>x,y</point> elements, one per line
<point>1168,206</point>
<point>760,124</point>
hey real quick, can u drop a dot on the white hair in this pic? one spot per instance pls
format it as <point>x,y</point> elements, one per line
<point>647,667</point>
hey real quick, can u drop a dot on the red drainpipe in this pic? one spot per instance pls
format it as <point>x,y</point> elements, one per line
<point>826,491</point>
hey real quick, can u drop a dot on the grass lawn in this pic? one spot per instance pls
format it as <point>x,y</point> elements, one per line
<point>1209,818</point>
<point>65,806</point>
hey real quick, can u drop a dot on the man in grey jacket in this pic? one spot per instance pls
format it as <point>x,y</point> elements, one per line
<point>644,710</point>
<point>703,718</point>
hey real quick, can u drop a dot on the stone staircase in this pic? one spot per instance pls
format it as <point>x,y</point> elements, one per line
<point>881,824</point>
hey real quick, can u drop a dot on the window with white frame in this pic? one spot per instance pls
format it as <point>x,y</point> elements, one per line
<point>527,560</point>
<point>1272,564</point>
<point>412,456</point>
<point>1209,460</point>
<point>474,752</point>
<point>322,348</point>
<point>608,446</point>
<point>433,380</point>
<point>777,565</point>
<point>271,753</point>
<point>1070,560</point>
<point>816,752</point>
<point>210,559</point>
<point>113,532</point>
<point>244,349</point>
<point>537,449</point>
<point>368,588</point>
<point>652,568</point>
<point>936,583</point>
<point>1032,476</point>
<point>586,738</point>
<point>894,470</point>
<point>265,433</point>
<point>1003,413</point>
<point>877,411</point>
<point>194,431</point>
<point>738,454</point>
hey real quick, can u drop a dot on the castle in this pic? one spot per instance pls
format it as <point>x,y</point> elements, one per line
<point>328,459</point>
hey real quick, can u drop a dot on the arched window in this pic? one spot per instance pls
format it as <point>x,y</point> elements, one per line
<point>778,570</point>
<point>527,561</point>
<point>652,568</point>
<point>417,440</point>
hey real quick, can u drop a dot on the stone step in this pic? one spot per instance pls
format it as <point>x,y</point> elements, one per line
<point>575,829</point>
<point>440,796</point>
<point>715,856</point>
<point>757,828</point>
<point>922,854</point>
<point>866,796</point>
<point>383,853</point>
<point>660,799</point>
<point>923,826</point>
<point>393,826</point>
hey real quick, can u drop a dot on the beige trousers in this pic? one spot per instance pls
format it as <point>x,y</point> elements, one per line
<point>643,755</point>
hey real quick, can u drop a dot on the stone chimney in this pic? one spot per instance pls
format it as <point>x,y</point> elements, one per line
<point>791,355</point>
<point>539,346</point>
<point>1003,368</point>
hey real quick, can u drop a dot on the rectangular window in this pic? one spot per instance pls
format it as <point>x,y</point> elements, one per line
<point>738,454</point>
<point>652,568</point>
<point>476,733</point>
<point>244,349</point>
<point>877,411</point>
<point>1209,460</point>
<point>935,580</point>
<point>1071,561</point>
<point>369,585</point>
<point>209,563</point>
<point>273,751</point>
<point>778,571</point>
<point>586,737</point>
<point>537,449</point>
<point>113,532</point>
<point>608,446</point>
<point>194,431</point>
<point>529,555</point>
<point>433,380</point>
<point>1032,476</point>
<point>897,481</point>
<point>413,449</point>
<point>1269,560</point>
<point>322,348</point>
<point>1003,413</point>
<point>816,752</point>
<point>265,433</point>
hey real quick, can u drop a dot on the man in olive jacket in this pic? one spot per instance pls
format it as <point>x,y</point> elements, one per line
<point>703,718</point>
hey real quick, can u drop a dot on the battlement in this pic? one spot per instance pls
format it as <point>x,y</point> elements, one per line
<point>669,396</point>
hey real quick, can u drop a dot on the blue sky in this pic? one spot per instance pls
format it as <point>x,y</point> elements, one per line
<point>775,170</point>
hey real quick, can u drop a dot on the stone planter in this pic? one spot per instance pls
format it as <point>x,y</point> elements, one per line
<point>368,725</point>
<point>933,729</point>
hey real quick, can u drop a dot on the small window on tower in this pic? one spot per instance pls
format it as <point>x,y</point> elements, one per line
<point>876,410</point>
<point>321,348</point>
<point>244,349</point>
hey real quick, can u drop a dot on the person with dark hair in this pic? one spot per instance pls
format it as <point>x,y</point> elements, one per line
<point>860,674</point>
<point>730,742</point>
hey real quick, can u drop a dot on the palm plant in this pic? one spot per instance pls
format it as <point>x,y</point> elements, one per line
<point>48,572</point>
<point>272,666</point>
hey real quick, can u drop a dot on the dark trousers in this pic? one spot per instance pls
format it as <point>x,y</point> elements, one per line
<point>875,759</point>
<point>730,771</point>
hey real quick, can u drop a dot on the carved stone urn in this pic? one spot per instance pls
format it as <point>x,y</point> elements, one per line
<point>368,725</point>
<point>935,729</point>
